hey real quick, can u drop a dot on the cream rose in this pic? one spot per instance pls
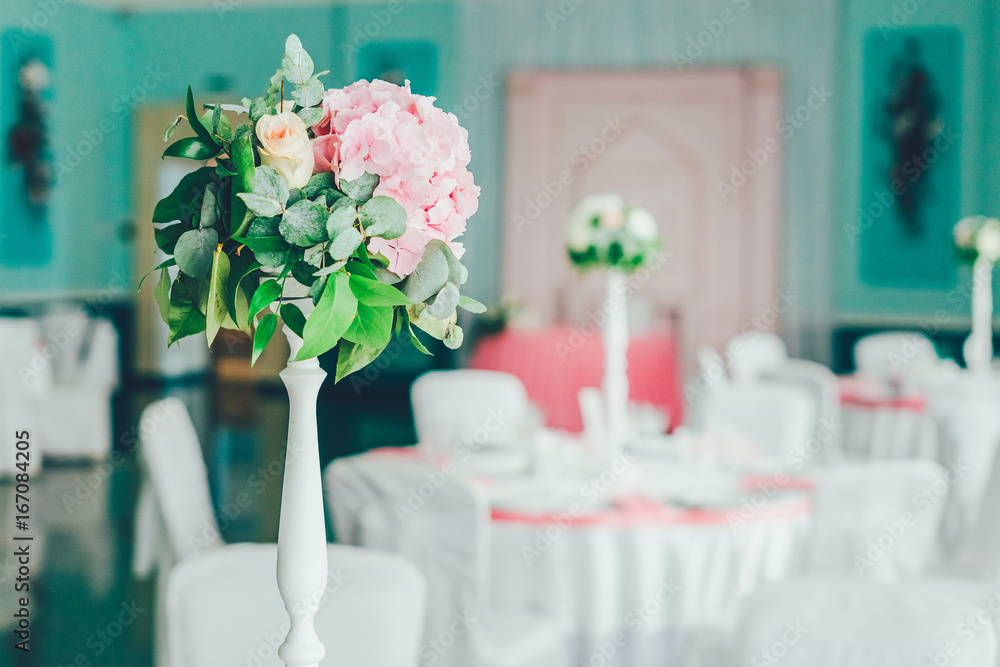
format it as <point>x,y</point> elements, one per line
<point>988,240</point>
<point>286,148</point>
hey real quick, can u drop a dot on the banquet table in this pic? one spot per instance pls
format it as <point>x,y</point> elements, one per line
<point>554,363</point>
<point>635,558</point>
<point>954,421</point>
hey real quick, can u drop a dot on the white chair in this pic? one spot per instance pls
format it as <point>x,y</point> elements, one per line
<point>895,357</point>
<point>775,419</point>
<point>85,370</point>
<point>441,522</point>
<point>848,622</point>
<point>824,389</point>
<point>880,520</point>
<point>223,608</point>
<point>25,381</point>
<point>755,353</point>
<point>466,414</point>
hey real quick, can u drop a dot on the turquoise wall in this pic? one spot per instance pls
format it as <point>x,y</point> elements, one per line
<point>864,297</point>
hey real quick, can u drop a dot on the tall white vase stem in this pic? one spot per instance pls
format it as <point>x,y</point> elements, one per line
<point>616,360</point>
<point>302,564</point>
<point>979,346</point>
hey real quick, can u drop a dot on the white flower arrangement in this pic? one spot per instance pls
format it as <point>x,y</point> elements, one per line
<point>978,236</point>
<point>605,232</point>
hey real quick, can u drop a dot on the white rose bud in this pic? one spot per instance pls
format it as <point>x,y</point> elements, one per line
<point>286,148</point>
<point>988,240</point>
<point>965,230</point>
<point>641,224</point>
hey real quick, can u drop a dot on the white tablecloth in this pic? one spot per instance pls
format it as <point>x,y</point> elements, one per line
<point>955,421</point>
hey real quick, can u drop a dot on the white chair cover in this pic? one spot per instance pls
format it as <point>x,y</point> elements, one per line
<point>824,388</point>
<point>894,356</point>
<point>85,366</point>
<point>223,608</point>
<point>978,555</point>
<point>470,408</point>
<point>849,622</point>
<point>440,522</point>
<point>879,519</point>
<point>25,381</point>
<point>174,518</point>
<point>755,353</point>
<point>774,417</point>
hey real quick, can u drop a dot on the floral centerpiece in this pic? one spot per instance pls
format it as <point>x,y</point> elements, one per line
<point>354,194</point>
<point>605,232</point>
<point>977,241</point>
<point>336,213</point>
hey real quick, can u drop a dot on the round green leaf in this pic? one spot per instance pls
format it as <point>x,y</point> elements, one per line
<point>383,216</point>
<point>194,251</point>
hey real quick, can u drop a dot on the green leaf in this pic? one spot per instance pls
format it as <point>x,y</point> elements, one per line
<point>238,304</point>
<point>199,129</point>
<point>162,265</point>
<point>317,183</point>
<point>183,316</point>
<point>308,94</point>
<point>371,327</point>
<point>343,216</point>
<point>311,115</point>
<point>270,183</point>
<point>296,66</point>
<point>184,201</point>
<point>218,287</point>
<point>261,337</point>
<point>263,243</point>
<point>262,228</point>
<point>296,195</point>
<point>191,148</point>
<point>169,132</point>
<point>383,216</point>
<point>265,295</point>
<point>293,318</point>
<point>333,315</point>
<point>417,343</point>
<point>431,273</point>
<point>258,109</point>
<point>471,305</point>
<point>375,293</point>
<point>208,215</point>
<point>444,303</point>
<point>243,163</point>
<point>221,127</point>
<point>361,188</point>
<point>453,337</point>
<point>317,289</point>
<point>194,251</point>
<point>304,224</point>
<point>302,271</point>
<point>264,207</point>
<point>352,358</point>
<point>166,237</point>
<point>162,294</point>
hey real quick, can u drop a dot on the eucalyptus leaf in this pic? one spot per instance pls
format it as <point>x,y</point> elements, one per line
<point>166,237</point>
<point>361,188</point>
<point>453,337</point>
<point>314,256</point>
<point>258,109</point>
<point>261,337</point>
<point>308,94</point>
<point>296,66</point>
<point>383,216</point>
<point>471,305</point>
<point>430,274</point>
<point>218,286</point>
<point>303,272</point>
<point>270,183</point>
<point>345,243</point>
<point>327,270</point>
<point>169,132</point>
<point>444,303</point>
<point>317,183</point>
<point>261,205</point>
<point>342,217</point>
<point>295,195</point>
<point>316,291</point>
<point>208,214</point>
<point>263,243</point>
<point>237,108</point>
<point>194,251</point>
<point>304,224</point>
<point>386,276</point>
<point>266,226</point>
<point>311,115</point>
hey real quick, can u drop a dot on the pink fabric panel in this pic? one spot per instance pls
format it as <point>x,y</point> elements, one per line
<point>555,363</point>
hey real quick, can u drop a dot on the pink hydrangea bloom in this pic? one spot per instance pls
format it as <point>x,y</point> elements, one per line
<point>419,152</point>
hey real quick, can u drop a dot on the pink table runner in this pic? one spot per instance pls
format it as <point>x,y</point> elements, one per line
<point>555,363</point>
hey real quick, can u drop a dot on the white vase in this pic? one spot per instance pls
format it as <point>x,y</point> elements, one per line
<point>616,339</point>
<point>302,552</point>
<point>978,348</point>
